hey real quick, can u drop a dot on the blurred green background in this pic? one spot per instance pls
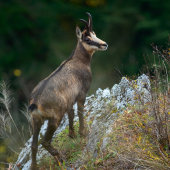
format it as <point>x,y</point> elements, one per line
<point>37,35</point>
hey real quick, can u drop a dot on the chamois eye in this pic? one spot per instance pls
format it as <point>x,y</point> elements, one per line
<point>88,40</point>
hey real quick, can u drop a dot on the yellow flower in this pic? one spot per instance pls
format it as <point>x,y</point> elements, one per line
<point>95,3</point>
<point>9,159</point>
<point>2,149</point>
<point>17,72</point>
<point>139,139</point>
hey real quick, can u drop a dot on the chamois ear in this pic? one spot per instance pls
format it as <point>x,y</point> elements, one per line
<point>78,32</point>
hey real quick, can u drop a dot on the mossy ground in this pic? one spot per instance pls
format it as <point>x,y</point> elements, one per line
<point>70,148</point>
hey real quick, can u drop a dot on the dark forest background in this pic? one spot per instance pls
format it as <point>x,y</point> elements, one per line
<point>37,35</point>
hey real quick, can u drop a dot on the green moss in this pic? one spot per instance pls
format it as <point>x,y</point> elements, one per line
<point>41,136</point>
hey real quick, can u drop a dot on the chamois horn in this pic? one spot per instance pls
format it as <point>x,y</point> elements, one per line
<point>87,27</point>
<point>90,21</point>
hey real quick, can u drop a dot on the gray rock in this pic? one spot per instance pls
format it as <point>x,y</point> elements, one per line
<point>126,91</point>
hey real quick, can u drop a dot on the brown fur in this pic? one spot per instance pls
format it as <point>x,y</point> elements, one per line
<point>58,92</point>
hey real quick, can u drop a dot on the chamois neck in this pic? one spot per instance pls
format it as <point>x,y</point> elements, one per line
<point>82,54</point>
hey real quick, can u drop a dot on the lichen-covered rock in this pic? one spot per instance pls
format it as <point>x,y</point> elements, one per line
<point>126,91</point>
<point>98,114</point>
<point>119,97</point>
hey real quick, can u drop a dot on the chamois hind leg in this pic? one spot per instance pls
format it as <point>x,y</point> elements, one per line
<point>71,128</point>
<point>81,118</point>
<point>36,129</point>
<point>46,141</point>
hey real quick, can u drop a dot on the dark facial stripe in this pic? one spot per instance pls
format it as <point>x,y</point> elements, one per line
<point>94,43</point>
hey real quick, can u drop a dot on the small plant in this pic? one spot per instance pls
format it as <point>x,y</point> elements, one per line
<point>12,133</point>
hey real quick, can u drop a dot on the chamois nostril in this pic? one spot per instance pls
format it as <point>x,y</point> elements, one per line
<point>105,45</point>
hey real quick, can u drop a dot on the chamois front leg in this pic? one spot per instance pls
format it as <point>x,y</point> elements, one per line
<point>36,129</point>
<point>46,141</point>
<point>71,128</point>
<point>80,104</point>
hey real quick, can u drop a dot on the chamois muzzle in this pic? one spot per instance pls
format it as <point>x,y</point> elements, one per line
<point>104,46</point>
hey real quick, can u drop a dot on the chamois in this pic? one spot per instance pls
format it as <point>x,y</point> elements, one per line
<point>55,95</point>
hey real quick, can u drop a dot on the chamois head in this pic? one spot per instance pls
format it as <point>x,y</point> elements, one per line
<point>88,37</point>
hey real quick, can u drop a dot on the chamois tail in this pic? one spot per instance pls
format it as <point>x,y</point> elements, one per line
<point>32,107</point>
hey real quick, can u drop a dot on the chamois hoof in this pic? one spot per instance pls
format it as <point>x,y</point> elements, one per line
<point>83,133</point>
<point>60,158</point>
<point>72,134</point>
